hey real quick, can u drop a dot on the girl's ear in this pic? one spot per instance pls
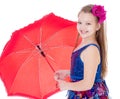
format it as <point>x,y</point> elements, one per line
<point>98,26</point>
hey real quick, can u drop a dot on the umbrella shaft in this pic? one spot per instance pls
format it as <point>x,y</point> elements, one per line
<point>41,52</point>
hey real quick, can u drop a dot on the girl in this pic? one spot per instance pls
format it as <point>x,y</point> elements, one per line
<point>88,60</point>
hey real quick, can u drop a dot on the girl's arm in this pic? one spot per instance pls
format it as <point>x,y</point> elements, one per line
<point>91,59</point>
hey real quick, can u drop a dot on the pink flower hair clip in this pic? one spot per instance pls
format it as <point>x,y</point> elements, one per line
<point>99,12</point>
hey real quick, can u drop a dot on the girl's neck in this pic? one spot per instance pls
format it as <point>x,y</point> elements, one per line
<point>85,41</point>
<point>88,41</point>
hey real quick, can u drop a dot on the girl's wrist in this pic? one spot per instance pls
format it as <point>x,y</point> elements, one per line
<point>68,85</point>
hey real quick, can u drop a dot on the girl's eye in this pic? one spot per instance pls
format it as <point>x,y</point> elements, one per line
<point>88,23</point>
<point>79,22</point>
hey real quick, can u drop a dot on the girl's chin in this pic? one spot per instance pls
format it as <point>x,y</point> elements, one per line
<point>84,36</point>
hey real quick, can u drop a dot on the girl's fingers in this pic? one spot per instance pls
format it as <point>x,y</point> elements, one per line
<point>56,76</point>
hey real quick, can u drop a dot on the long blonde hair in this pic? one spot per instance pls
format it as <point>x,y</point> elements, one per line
<point>101,39</point>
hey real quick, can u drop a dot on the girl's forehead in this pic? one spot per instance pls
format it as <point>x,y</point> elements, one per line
<point>86,16</point>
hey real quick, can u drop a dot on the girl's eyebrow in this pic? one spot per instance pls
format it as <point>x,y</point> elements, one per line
<point>85,21</point>
<point>79,21</point>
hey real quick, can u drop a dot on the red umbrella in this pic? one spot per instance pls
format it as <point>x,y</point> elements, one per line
<point>34,53</point>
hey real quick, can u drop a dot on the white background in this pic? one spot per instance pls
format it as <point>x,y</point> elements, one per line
<point>15,14</point>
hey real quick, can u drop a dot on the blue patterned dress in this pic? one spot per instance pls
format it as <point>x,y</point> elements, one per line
<point>99,89</point>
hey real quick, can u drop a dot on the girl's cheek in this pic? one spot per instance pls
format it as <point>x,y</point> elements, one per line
<point>78,27</point>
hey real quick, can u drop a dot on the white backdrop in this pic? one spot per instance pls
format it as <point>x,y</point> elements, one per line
<point>15,14</point>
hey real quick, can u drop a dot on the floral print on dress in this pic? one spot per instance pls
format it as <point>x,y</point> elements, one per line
<point>98,91</point>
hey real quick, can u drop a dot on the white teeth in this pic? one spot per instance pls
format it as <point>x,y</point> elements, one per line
<point>83,32</point>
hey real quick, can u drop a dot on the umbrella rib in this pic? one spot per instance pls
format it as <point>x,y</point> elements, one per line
<point>31,56</point>
<point>30,41</point>
<point>19,52</point>
<point>24,51</point>
<point>55,47</point>
<point>41,37</point>
<point>50,58</point>
<point>39,72</point>
<point>25,62</point>
<point>52,37</point>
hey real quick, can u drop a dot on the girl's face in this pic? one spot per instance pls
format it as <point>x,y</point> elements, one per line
<point>87,25</point>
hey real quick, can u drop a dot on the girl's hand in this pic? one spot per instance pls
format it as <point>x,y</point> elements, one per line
<point>61,74</point>
<point>63,85</point>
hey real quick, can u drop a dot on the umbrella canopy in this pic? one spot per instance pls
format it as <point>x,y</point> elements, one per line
<point>34,53</point>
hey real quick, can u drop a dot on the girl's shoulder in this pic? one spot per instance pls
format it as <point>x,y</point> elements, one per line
<point>91,51</point>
